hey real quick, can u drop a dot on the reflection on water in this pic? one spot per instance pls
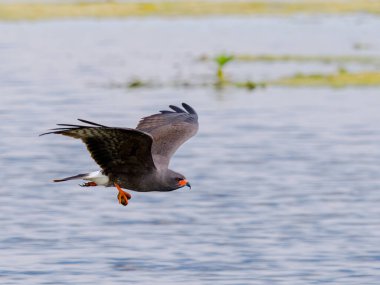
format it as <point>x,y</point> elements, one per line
<point>285,181</point>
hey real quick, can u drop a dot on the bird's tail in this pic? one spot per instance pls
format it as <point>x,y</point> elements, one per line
<point>79,176</point>
<point>97,177</point>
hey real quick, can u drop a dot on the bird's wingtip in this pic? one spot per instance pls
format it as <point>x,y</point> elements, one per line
<point>43,134</point>
<point>188,108</point>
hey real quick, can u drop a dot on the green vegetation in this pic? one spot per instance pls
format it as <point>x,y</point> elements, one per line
<point>250,85</point>
<point>342,78</point>
<point>131,84</point>
<point>38,11</point>
<point>301,58</point>
<point>221,82</point>
<point>221,61</point>
<point>136,83</point>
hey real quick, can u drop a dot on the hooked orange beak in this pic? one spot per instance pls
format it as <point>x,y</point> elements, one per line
<point>184,182</point>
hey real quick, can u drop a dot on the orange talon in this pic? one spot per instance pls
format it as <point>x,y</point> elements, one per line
<point>122,196</point>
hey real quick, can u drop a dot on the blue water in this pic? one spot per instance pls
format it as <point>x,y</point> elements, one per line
<point>285,182</point>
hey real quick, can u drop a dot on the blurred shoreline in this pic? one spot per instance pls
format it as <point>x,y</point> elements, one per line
<point>112,9</point>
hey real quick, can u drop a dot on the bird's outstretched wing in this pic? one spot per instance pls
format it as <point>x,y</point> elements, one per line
<point>116,150</point>
<point>169,129</point>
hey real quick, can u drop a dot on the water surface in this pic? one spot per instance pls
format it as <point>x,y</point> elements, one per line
<point>285,181</point>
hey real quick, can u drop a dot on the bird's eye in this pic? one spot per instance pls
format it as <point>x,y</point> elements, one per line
<point>178,179</point>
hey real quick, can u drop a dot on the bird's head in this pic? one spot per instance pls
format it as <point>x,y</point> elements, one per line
<point>177,180</point>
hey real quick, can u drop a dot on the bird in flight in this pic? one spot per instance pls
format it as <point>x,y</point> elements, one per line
<point>135,159</point>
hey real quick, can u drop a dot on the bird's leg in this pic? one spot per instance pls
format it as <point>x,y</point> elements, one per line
<point>88,184</point>
<point>122,196</point>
